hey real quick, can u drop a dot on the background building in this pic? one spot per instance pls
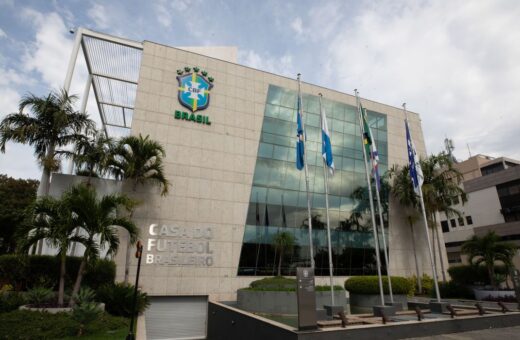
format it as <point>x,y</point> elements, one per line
<point>492,186</point>
<point>233,175</point>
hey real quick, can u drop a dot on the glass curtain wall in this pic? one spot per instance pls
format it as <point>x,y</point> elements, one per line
<point>278,201</point>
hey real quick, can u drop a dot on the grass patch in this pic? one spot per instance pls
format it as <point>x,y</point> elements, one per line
<point>40,325</point>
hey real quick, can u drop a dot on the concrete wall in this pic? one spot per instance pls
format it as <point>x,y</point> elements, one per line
<point>61,183</point>
<point>273,302</point>
<point>211,169</point>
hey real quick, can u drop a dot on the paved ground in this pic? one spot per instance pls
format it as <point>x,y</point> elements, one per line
<point>509,333</point>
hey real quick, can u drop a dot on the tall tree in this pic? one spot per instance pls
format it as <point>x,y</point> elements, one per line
<point>283,243</point>
<point>16,195</point>
<point>92,154</point>
<point>402,190</point>
<point>140,160</point>
<point>98,222</point>
<point>51,124</point>
<point>442,185</point>
<point>487,250</point>
<point>54,222</point>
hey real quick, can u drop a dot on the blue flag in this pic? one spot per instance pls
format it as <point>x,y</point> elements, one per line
<point>413,160</point>
<point>300,137</point>
<point>326,147</point>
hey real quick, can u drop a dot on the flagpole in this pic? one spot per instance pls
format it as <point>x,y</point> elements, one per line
<point>326,182</point>
<point>381,223</point>
<point>311,251</point>
<point>256,231</point>
<point>434,268</point>
<point>376,241</point>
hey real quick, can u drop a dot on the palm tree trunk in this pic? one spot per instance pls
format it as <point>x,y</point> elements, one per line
<point>61,286</point>
<point>491,273</point>
<point>280,263</point>
<point>43,188</point>
<point>433,247</point>
<point>418,274</point>
<point>439,247</point>
<point>128,243</point>
<point>77,284</point>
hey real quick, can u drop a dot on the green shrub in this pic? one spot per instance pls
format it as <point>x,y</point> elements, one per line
<point>276,283</point>
<point>326,288</point>
<point>370,285</point>
<point>10,301</point>
<point>38,325</point>
<point>25,272</point>
<point>13,270</point>
<point>282,284</point>
<point>473,274</point>
<point>426,282</point>
<point>39,295</point>
<point>85,295</point>
<point>454,290</point>
<point>99,273</point>
<point>118,299</point>
<point>84,314</point>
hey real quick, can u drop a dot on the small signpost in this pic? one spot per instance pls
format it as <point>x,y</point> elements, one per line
<point>306,297</point>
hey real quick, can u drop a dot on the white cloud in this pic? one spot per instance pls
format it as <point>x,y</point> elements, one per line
<point>49,54</point>
<point>3,34</point>
<point>266,62</point>
<point>166,10</point>
<point>297,25</point>
<point>98,13</point>
<point>454,63</point>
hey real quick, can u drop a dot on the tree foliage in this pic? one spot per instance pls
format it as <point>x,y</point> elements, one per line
<point>139,159</point>
<point>51,124</point>
<point>487,250</point>
<point>16,196</point>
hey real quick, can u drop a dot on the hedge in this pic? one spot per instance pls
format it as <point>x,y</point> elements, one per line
<point>282,284</point>
<point>454,290</point>
<point>370,285</point>
<point>23,272</point>
<point>473,274</point>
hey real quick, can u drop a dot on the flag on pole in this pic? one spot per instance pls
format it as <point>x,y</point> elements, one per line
<point>370,148</point>
<point>326,147</point>
<point>415,166</point>
<point>300,137</point>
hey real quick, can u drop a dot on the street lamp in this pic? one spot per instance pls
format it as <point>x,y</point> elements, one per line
<point>138,255</point>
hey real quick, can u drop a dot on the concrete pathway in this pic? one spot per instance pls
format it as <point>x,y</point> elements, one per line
<point>508,333</point>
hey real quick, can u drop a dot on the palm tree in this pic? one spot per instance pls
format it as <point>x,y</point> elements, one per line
<point>140,160</point>
<point>53,222</point>
<point>441,186</point>
<point>402,190</point>
<point>98,221</point>
<point>283,242</point>
<point>488,249</point>
<point>52,124</point>
<point>92,155</point>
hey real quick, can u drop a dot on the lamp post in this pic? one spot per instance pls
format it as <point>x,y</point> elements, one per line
<point>138,255</point>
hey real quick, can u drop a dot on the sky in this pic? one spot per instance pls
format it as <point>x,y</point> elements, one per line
<point>456,63</point>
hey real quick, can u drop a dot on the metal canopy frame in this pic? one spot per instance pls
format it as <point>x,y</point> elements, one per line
<point>113,65</point>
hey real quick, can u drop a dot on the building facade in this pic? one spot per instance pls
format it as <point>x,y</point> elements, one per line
<point>492,186</point>
<point>229,133</point>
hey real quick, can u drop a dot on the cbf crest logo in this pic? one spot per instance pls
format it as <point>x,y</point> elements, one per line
<point>194,88</point>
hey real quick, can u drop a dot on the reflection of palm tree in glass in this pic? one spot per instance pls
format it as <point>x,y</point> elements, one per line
<point>317,223</point>
<point>353,222</point>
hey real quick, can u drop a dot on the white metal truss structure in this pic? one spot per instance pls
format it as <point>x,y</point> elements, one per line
<point>113,66</point>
